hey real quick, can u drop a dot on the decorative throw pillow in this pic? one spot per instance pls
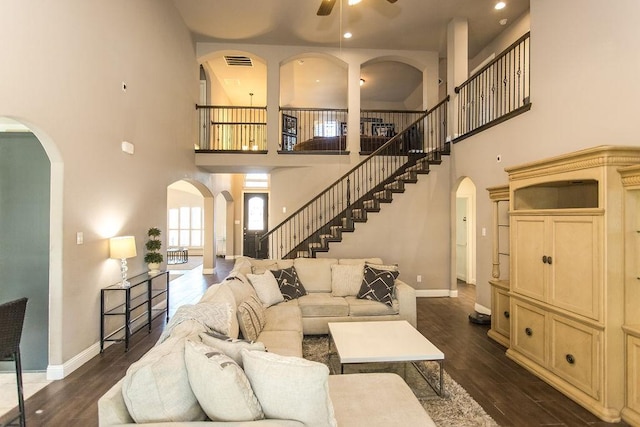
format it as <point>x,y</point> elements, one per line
<point>388,267</point>
<point>378,285</point>
<point>156,388</point>
<point>251,318</point>
<point>229,346</point>
<point>290,388</point>
<point>346,279</point>
<point>220,385</point>
<point>290,286</point>
<point>266,287</point>
<point>216,316</point>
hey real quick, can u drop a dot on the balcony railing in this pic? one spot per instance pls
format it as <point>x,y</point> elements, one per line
<point>306,130</point>
<point>497,92</point>
<point>232,129</point>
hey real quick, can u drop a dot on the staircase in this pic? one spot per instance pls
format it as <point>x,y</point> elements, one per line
<point>363,190</point>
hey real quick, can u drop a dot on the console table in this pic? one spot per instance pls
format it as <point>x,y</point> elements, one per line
<point>133,305</point>
<point>177,255</point>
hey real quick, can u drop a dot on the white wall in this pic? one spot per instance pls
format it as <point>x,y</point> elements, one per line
<point>62,70</point>
<point>584,90</point>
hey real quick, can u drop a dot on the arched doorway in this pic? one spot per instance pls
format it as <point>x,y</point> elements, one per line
<point>465,237</point>
<point>25,228</point>
<point>190,220</point>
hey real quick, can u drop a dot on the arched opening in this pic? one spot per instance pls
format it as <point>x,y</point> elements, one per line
<point>190,220</point>
<point>465,240</point>
<point>26,200</point>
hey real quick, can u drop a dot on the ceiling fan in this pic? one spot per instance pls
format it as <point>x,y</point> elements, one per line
<point>327,6</point>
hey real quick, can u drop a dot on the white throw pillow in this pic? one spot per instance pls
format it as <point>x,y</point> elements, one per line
<point>266,287</point>
<point>290,388</point>
<point>156,388</point>
<point>222,389</point>
<point>346,279</point>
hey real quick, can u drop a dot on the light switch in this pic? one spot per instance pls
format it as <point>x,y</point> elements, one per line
<point>79,238</point>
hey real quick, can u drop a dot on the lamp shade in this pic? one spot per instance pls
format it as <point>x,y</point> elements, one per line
<point>122,247</point>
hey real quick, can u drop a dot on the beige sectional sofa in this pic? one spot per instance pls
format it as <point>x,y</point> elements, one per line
<point>194,374</point>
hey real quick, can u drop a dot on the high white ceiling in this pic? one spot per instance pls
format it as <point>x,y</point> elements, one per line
<point>375,24</point>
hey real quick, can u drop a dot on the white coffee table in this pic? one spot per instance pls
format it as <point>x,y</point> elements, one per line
<point>384,341</point>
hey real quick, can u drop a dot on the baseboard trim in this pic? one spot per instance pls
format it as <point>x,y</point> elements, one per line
<point>482,309</point>
<point>436,293</point>
<point>58,372</point>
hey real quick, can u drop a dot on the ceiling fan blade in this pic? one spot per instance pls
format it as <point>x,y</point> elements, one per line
<point>326,7</point>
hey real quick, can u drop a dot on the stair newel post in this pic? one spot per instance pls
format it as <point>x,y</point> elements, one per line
<point>348,200</point>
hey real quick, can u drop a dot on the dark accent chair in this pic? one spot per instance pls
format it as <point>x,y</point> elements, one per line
<point>11,322</point>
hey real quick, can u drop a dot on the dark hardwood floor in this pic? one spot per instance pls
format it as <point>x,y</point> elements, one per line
<point>511,395</point>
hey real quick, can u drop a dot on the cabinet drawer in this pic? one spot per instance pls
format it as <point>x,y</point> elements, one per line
<point>501,313</point>
<point>574,353</point>
<point>528,331</point>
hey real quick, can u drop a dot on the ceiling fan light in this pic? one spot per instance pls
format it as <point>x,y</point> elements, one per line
<point>500,5</point>
<point>352,2</point>
<point>347,35</point>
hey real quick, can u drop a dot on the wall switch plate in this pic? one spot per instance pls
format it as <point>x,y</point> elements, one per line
<point>484,231</point>
<point>79,238</point>
<point>419,278</point>
<point>128,147</point>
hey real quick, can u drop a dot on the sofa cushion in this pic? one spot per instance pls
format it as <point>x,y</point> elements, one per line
<point>315,273</point>
<point>229,346</point>
<point>290,285</point>
<point>216,316</point>
<point>242,265</point>
<point>284,343</point>
<point>266,287</point>
<point>347,261</point>
<point>290,388</point>
<point>156,388</point>
<point>388,267</point>
<point>251,317</point>
<point>285,263</point>
<point>364,307</point>
<point>346,279</point>
<point>283,317</point>
<point>220,385</point>
<point>323,305</point>
<point>378,285</point>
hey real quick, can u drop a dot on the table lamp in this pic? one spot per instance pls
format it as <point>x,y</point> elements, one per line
<point>122,248</point>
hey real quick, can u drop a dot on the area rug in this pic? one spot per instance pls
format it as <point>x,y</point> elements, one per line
<point>456,408</point>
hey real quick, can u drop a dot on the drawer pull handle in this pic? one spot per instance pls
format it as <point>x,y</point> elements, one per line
<point>528,331</point>
<point>506,314</point>
<point>544,259</point>
<point>549,260</point>
<point>570,359</point>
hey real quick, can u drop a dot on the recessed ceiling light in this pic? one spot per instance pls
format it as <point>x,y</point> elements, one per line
<point>503,21</point>
<point>352,2</point>
<point>500,5</point>
<point>347,35</point>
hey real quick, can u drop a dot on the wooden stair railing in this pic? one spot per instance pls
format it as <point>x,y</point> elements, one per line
<point>362,189</point>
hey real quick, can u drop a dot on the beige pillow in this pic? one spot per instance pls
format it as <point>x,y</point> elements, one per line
<point>242,265</point>
<point>216,316</point>
<point>346,279</point>
<point>266,287</point>
<point>290,388</point>
<point>240,287</point>
<point>360,260</point>
<point>259,266</point>
<point>220,385</point>
<point>156,388</point>
<point>315,273</point>
<point>230,347</point>
<point>251,317</point>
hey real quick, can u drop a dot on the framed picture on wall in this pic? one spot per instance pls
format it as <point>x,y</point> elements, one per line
<point>289,125</point>
<point>383,129</point>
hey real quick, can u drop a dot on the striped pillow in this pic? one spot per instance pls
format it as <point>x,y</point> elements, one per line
<point>251,318</point>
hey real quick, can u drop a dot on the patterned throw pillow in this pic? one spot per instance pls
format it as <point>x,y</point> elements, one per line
<point>221,387</point>
<point>251,318</point>
<point>378,285</point>
<point>290,285</point>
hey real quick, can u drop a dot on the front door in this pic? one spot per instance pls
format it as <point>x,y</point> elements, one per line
<point>256,210</point>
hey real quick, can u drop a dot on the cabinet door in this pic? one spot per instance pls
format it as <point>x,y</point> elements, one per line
<point>501,312</point>
<point>527,243</point>
<point>576,264</point>
<point>633,374</point>
<point>574,353</point>
<point>528,331</point>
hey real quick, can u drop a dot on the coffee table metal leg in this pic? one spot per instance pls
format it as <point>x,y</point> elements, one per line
<point>439,390</point>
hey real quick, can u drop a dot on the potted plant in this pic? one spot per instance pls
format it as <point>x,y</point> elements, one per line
<point>153,257</point>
